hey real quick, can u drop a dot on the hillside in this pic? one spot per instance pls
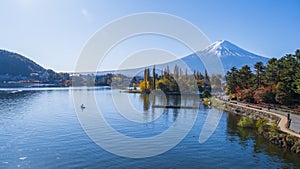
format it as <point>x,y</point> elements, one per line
<point>15,64</point>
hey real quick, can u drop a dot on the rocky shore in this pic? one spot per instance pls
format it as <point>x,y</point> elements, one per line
<point>282,139</point>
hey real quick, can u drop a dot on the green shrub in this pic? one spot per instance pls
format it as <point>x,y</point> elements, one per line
<point>245,122</point>
<point>274,128</point>
<point>261,124</point>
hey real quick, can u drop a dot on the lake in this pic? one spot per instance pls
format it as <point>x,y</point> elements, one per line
<point>39,128</point>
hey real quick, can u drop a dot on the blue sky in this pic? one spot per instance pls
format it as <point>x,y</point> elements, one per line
<point>53,32</point>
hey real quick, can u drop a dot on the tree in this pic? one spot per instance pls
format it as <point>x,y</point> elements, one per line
<point>264,95</point>
<point>297,81</point>
<point>154,78</point>
<point>186,74</point>
<point>176,72</point>
<point>206,82</point>
<point>260,71</point>
<point>144,85</point>
<point>231,77</point>
<point>272,71</point>
<point>297,54</point>
<point>206,93</point>
<point>285,88</point>
<point>245,77</point>
<point>168,84</point>
<point>277,82</point>
<point>245,95</point>
<point>283,94</point>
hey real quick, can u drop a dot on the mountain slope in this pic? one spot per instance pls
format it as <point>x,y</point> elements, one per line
<point>15,64</point>
<point>229,54</point>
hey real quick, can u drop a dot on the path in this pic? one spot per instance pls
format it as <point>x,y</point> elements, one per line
<point>295,125</point>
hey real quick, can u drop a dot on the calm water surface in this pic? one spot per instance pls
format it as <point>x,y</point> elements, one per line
<point>40,129</point>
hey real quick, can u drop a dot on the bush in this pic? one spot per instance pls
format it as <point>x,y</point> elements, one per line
<point>274,128</point>
<point>261,124</point>
<point>245,122</point>
<point>245,95</point>
<point>207,101</point>
<point>265,95</point>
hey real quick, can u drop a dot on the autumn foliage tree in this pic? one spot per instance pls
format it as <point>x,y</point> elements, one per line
<point>177,82</point>
<point>277,82</point>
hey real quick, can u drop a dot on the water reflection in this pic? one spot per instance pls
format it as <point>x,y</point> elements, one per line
<point>248,137</point>
<point>161,100</point>
<point>171,100</point>
<point>15,103</point>
<point>146,101</point>
<point>16,94</point>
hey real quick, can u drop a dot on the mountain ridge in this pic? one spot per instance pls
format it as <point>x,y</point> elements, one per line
<point>225,48</point>
<point>229,54</point>
<point>15,64</point>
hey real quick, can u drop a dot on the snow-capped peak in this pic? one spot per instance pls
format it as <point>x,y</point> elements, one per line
<point>223,48</point>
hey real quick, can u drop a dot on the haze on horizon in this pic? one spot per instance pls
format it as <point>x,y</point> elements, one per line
<point>52,32</point>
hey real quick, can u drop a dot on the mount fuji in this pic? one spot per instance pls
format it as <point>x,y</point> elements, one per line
<point>229,54</point>
<point>219,57</point>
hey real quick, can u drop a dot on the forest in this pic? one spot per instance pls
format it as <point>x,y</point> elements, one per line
<point>277,82</point>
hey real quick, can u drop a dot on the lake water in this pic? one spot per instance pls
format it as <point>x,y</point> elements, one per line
<point>40,129</point>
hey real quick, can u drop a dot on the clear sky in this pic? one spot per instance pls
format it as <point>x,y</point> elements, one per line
<point>53,32</point>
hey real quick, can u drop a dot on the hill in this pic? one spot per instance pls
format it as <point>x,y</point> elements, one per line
<point>17,65</point>
<point>18,71</point>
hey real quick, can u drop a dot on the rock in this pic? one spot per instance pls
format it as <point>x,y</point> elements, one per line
<point>285,144</point>
<point>296,147</point>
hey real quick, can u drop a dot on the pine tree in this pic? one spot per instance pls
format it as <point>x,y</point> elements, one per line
<point>260,71</point>
<point>245,77</point>
<point>272,71</point>
<point>231,78</point>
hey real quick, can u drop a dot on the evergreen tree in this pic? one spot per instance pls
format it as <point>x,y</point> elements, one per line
<point>260,71</point>
<point>206,79</point>
<point>272,71</point>
<point>287,77</point>
<point>231,78</point>
<point>245,77</point>
<point>297,53</point>
<point>297,81</point>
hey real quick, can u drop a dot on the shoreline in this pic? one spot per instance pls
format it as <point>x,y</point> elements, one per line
<point>282,122</point>
<point>284,137</point>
